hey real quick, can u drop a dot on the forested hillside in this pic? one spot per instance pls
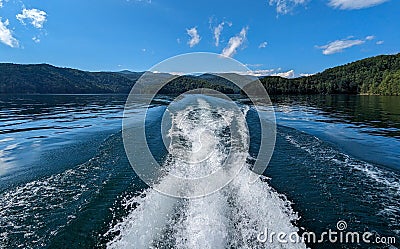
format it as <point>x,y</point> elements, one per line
<point>44,78</point>
<point>375,75</point>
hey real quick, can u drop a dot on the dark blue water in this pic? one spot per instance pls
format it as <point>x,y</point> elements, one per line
<point>65,181</point>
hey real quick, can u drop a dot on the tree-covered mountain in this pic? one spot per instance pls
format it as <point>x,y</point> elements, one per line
<point>186,83</point>
<point>220,81</point>
<point>47,79</point>
<point>375,75</point>
<point>44,78</point>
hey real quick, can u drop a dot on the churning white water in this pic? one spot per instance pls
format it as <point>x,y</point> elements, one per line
<point>229,218</point>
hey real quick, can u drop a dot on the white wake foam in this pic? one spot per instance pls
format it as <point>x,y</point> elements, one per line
<point>230,218</point>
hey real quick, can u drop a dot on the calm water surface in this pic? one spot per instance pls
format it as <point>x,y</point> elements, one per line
<point>64,175</point>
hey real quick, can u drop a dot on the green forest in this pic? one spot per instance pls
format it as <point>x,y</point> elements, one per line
<point>376,75</point>
<point>44,78</point>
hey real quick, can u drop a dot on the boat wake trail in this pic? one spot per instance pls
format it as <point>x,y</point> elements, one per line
<point>200,144</point>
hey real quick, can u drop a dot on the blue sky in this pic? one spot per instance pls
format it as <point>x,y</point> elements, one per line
<point>284,37</point>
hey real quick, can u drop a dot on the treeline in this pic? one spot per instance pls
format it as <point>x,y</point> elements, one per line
<point>47,79</point>
<point>376,75</point>
<point>183,84</point>
<point>44,78</point>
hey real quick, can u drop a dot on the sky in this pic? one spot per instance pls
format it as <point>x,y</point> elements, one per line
<point>289,38</point>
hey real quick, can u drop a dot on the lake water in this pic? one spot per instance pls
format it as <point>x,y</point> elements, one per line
<point>65,180</point>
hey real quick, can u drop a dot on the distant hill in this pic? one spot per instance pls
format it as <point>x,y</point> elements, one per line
<point>44,78</point>
<point>47,79</point>
<point>375,75</point>
<point>220,81</point>
<point>188,82</point>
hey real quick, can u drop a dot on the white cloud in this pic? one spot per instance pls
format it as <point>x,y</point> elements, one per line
<point>370,37</point>
<point>6,36</point>
<point>217,33</point>
<point>285,6</point>
<point>1,3</point>
<point>306,74</point>
<point>268,72</point>
<point>253,65</point>
<point>354,4</point>
<point>380,42</point>
<point>258,73</point>
<point>194,37</point>
<point>169,72</point>
<point>263,44</point>
<point>288,74</point>
<point>339,45</point>
<point>217,30</point>
<point>234,43</point>
<point>36,17</point>
<point>36,39</point>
